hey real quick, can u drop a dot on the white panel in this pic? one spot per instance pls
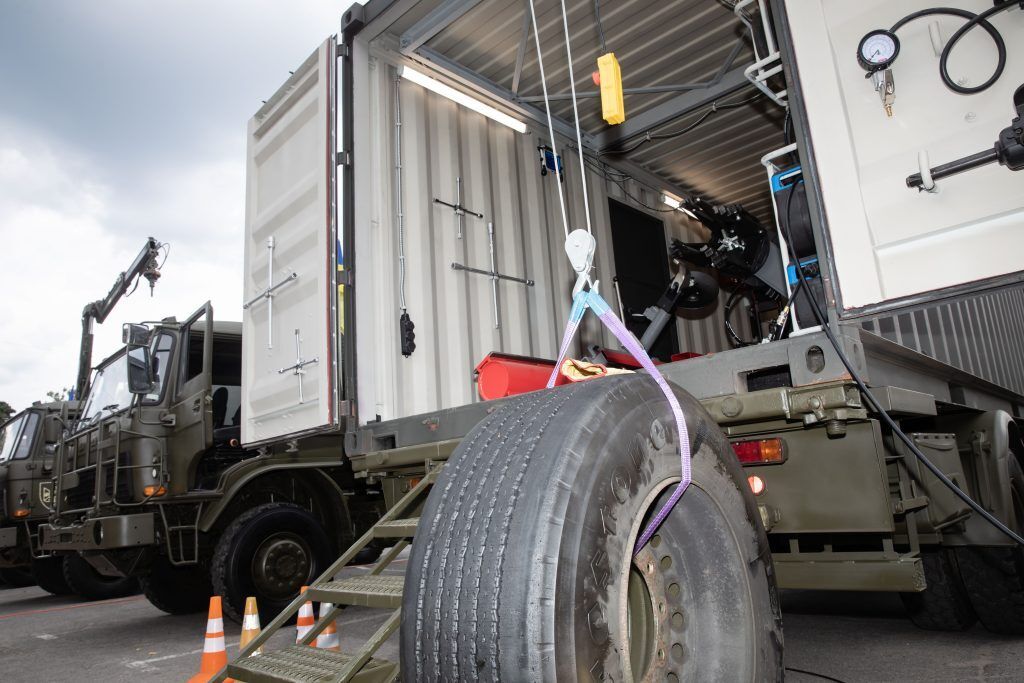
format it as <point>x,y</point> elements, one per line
<point>289,185</point>
<point>890,241</point>
<point>453,310</point>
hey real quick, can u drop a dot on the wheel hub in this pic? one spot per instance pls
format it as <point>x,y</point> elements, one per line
<point>281,565</point>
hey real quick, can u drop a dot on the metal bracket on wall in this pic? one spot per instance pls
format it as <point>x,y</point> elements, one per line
<point>457,207</point>
<point>300,364</point>
<point>493,274</point>
<point>268,293</point>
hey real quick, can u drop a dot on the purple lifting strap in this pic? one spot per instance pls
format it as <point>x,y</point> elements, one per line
<point>593,300</point>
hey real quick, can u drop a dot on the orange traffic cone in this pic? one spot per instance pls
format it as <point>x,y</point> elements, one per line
<point>214,656</point>
<point>250,625</point>
<point>328,638</point>
<point>305,620</point>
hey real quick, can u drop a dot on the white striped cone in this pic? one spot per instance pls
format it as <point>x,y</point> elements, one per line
<point>328,638</point>
<point>250,625</point>
<point>305,620</point>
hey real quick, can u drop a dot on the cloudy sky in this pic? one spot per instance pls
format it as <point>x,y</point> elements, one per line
<point>122,119</point>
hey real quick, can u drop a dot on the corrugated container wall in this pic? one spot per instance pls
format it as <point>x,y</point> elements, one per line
<point>453,310</point>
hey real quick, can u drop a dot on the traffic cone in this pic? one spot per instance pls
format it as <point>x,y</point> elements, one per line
<point>305,621</point>
<point>214,657</point>
<point>250,625</point>
<point>328,638</point>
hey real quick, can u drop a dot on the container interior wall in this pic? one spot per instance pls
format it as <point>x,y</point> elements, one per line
<point>453,310</point>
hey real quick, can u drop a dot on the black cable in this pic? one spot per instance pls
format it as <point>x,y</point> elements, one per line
<point>715,107</point>
<point>600,28</point>
<point>877,407</point>
<point>729,330</point>
<point>621,183</point>
<point>972,21</point>
<point>823,677</point>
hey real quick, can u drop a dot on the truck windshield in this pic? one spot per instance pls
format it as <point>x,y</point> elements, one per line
<point>109,391</point>
<point>9,440</point>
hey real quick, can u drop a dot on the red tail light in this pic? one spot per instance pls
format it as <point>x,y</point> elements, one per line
<point>760,452</point>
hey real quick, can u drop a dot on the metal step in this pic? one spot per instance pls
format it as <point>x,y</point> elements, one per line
<point>304,664</point>
<point>396,528</point>
<point>376,590</point>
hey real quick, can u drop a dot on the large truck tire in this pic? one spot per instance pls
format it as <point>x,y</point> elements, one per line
<point>522,568</point>
<point>17,577</point>
<point>49,574</point>
<point>91,585</point>
<point>269,552</point>
<point>944,605</point>
<point>994,576</point>
<point>177,590</point>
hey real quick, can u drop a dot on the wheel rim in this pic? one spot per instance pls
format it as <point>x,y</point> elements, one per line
<point>281,565</point>
<point>652,617</point>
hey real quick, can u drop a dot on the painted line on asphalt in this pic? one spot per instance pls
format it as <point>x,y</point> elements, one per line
<point>80,605</point>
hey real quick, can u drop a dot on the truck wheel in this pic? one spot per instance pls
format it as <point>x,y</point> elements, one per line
<point>91,585</point>
<point>176,590</point>
<point>523,569</point>
<point>994,576</point>
<point>49,574</point>
<point>270,552</point>
<point>944,604</point>
<point>17,577</point>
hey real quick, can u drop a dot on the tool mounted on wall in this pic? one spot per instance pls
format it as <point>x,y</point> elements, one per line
<point>458,208</point>
<point>493,274</point>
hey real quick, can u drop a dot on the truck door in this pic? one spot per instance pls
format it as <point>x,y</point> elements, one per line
<point>289,336</point>
<point>192,405</point>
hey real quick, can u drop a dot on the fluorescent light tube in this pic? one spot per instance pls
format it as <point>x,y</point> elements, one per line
<point>461,98</point>
<point>669,200</point>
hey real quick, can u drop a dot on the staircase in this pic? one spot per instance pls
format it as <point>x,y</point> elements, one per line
<point>300,663</point>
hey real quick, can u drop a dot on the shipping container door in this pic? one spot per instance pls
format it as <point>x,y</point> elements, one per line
<point>289,338</point>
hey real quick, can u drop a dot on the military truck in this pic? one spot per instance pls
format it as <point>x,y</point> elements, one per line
<point>28,447</point>
<point>872,442</point>
<point>152,482</point>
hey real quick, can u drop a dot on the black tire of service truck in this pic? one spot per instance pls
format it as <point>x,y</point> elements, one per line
<point>17,577</point>
<point>177,590</point>
<point>521,569</point>
<point>994,576</point>
<point>49,574</point>
<point>91,585</point>
<point>269,552</point>
<point>944,605</point>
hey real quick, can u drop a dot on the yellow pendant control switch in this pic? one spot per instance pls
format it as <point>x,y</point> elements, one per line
<point>612,107</point>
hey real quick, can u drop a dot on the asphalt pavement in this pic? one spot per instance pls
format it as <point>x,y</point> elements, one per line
<point>846,636</point>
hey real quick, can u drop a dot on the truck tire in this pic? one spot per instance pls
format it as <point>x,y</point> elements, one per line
<point>994,576</point>
<point>523,569</point>
<point>17,577</point>
<point>176,590</point>
<point>49,574</point>
<point>944,605</point>
<point>269,552</point>
<point>91,585</point>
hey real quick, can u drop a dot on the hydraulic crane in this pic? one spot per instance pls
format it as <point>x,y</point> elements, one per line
<point>145,265</point>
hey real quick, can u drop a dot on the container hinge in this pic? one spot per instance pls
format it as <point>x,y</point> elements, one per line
<point>343,158</point>
<point>345,277</point>
<point>343,50</point>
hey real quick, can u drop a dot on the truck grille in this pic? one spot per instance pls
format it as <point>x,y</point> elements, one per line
<point>80,497</point>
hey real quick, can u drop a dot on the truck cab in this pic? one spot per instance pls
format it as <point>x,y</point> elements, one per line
<point>28,447</point>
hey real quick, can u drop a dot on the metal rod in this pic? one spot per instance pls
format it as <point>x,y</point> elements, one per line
<point>268,293</point>
<point>458,202</point>
<point>494,278</point>
<point>500,276</point>
<point>966,163</point>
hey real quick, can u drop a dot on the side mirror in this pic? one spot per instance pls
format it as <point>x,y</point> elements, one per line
<point>52,429</point>
<point>140,370</point>
<point>135,335</point>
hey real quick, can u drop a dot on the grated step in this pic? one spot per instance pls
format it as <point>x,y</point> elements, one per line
<point>380,591</point>
<point>304,664</point>
<point>397,528</point>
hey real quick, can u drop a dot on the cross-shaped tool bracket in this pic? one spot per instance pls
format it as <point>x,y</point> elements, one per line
<point>268,293</point>
<point>457,207</point>
<point>493,274</point>
<point>299,369</point>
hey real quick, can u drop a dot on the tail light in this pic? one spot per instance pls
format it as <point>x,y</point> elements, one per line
<point>151,491</point>
<point>760,451</point>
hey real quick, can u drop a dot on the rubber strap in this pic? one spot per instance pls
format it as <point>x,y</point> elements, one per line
<point>593,300</point>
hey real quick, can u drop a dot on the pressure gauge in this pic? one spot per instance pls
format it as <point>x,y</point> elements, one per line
<point>877,50</point>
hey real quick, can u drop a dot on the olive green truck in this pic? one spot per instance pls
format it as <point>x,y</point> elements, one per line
<point>848,367</point>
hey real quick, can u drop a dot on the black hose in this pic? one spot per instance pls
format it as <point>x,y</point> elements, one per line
<point>972,21</point>
<point>886,418</point>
